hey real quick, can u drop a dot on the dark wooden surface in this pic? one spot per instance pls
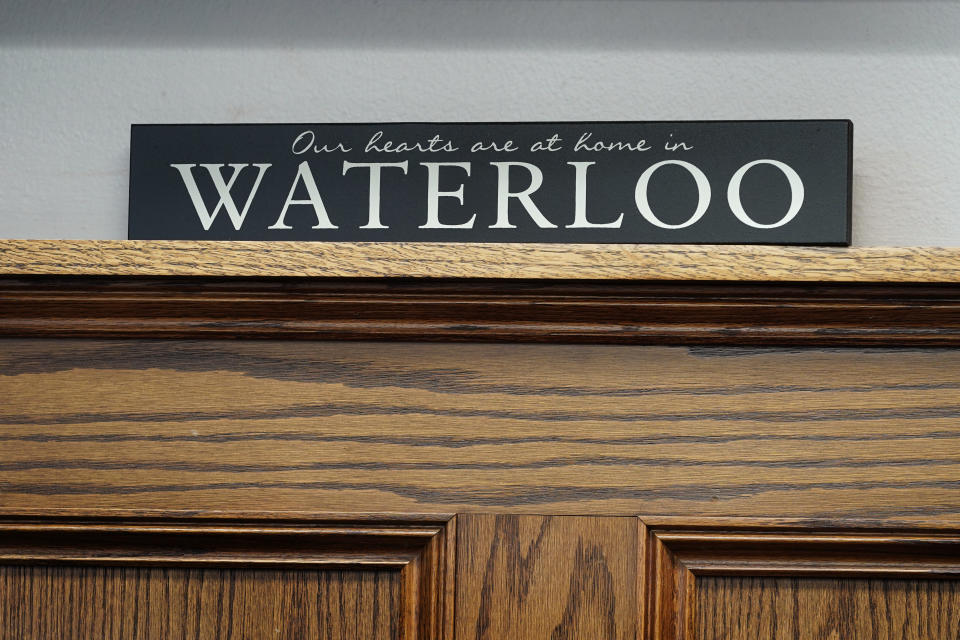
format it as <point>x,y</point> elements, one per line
<point>737,608</point>
<point>133,603</point>
<point>882,315</point>
<point>556,578</point>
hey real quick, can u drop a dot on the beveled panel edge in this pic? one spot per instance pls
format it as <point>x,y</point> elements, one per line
<point>215,517</point>
<point>461,260</point>
<point>418,546</point>
<point>675,550</point>
<point>178,541</point>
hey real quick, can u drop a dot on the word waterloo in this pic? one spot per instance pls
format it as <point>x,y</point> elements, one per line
<point>445,182</point>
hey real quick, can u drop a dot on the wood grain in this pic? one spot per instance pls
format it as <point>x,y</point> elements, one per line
<point>769,412</point>
<point>418,555</point>
<point>736,608</point>
<point>562,578</point>
<point>792,314</point>
<point>439,260</point>
<point>689,573</point>
<point>574,429</point>
<point>80,603</point>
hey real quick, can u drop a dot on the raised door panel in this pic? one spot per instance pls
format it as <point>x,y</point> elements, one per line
<point>810,581</point>
<point>759,608</point>
<point>131,603</point>
<point>171,576</point>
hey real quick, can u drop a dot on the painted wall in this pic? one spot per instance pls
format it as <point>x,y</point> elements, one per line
<point>74,75</point>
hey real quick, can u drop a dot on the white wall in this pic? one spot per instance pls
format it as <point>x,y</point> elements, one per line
<point>74,75</point>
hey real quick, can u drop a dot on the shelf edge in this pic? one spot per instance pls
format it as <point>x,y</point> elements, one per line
<point>744,263</point>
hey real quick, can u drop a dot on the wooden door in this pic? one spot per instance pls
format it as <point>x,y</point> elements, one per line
<point>601,462</point>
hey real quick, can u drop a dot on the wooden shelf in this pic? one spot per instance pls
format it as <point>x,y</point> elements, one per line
<point>449,260</point>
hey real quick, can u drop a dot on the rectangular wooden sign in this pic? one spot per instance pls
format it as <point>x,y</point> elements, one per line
<point>763,182</point>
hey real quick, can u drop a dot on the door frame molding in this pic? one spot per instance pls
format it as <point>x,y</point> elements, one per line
<point>674,552</point>
<point>458,310</point>
<point>420,548</point>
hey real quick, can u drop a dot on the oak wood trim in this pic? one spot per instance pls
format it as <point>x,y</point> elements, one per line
<point>674,556</point>
<point>196,516</point>
<point>458,310</point>
<point>420,550</point>
<point>453,260</point>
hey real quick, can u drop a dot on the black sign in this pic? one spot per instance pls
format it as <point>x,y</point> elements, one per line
<point>770,182</point>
